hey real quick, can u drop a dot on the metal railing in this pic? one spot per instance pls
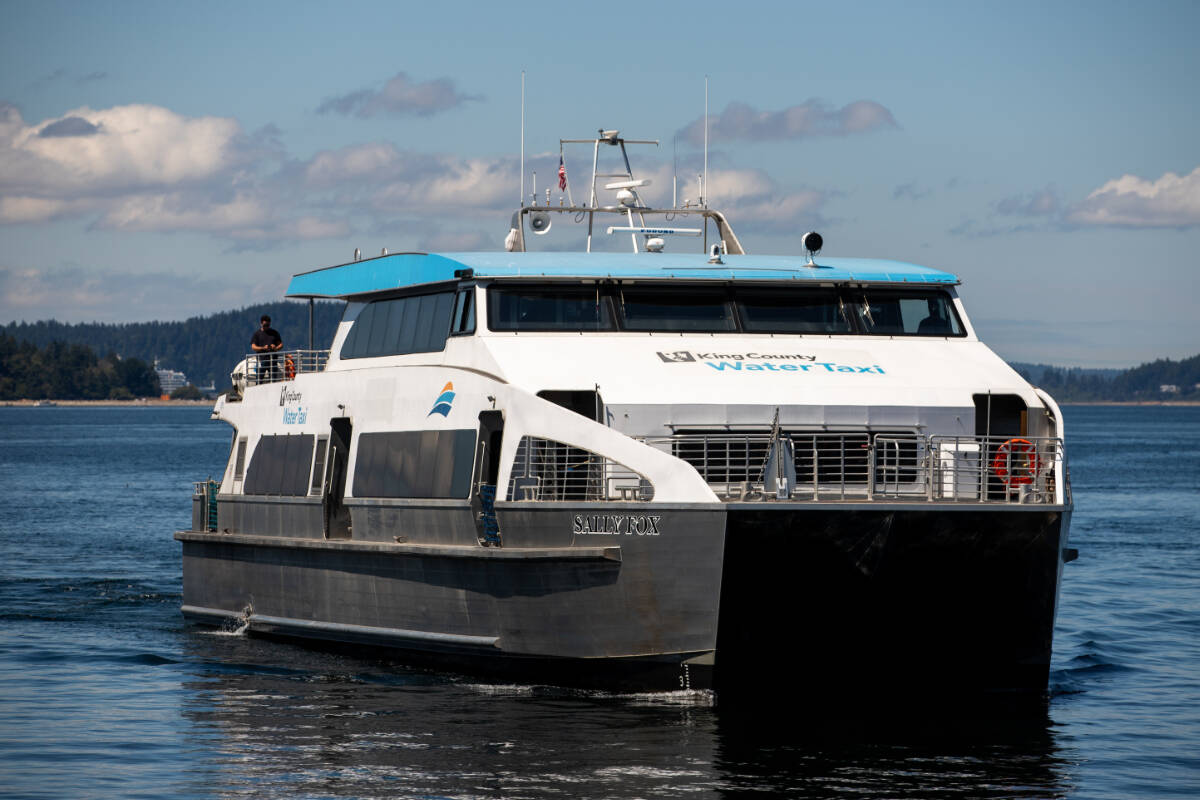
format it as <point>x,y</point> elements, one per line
<point>204,505</point>
<point>544,469</point>
<point>863,466</point>
<point>283,365</point>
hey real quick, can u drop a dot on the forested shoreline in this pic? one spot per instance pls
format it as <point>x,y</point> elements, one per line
<point>62,371</point>
<point>205,348</point>
<point>61,361</point>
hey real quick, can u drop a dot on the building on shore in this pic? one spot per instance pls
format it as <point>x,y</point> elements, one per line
<point>169,379</point>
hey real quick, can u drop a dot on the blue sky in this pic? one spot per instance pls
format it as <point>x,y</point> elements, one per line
<point>163,160</point>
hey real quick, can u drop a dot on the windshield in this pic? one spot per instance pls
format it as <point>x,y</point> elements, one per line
<point>669,310</point>
<point>682,308</point>
<point>550,309</point>
<point>900,314</point>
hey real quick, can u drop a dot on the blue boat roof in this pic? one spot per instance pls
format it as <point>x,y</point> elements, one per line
<point>400,270</point>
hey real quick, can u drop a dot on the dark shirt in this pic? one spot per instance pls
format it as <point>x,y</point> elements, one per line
<point>265,336</point>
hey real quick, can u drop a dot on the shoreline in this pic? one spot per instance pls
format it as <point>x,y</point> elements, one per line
<point>1131,403</point>
<point>160,403</point>
<point>139,402</point>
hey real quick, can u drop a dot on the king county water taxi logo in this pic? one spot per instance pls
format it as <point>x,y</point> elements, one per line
<point>765,362</point>
<point>444,401</point>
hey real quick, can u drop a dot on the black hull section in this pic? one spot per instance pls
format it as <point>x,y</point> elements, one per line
<point>851,602</point>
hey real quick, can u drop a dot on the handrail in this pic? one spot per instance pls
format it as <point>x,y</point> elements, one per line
<point>282,365</point>
<point>881,466</point>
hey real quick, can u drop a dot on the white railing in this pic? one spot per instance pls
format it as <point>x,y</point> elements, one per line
<point>862,466</point>
<point>283,365</point>
<point>546,470</point>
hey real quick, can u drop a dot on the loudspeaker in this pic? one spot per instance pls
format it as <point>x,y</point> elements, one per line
<point>539,222</point>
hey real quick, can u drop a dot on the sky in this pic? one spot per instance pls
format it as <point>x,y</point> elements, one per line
<point>168,160</point>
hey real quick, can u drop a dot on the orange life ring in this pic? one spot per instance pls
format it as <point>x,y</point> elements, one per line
<point>1016,462</point>
<point>289,367</point>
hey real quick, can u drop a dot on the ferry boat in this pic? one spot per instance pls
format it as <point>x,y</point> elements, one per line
<point>677,465</point>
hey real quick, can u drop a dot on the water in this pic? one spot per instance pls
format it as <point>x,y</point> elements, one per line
<point>104,692</point>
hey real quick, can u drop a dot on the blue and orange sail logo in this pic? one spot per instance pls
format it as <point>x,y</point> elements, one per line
<point>444,401</point>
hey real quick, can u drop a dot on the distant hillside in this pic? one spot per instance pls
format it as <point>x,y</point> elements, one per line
<point>1034,372</point>
<point>1159,380</point>
<point>206,349</point>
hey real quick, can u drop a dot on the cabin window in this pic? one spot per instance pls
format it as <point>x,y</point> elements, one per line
<point>318,468</point>
<point>684,308</point>
<point>424,464</point>
<point>814,311</point>
<point>665,310</point>
<point>566,309</point>
<point>279,465</point>
<point>239,462</point>
<point>400,325</point>
<point>463,320</point>
<point>893,313</point>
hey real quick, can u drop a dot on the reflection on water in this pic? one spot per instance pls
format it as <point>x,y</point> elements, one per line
<point>952,751</point>
<point>104,693</point>
<point>279,719</point>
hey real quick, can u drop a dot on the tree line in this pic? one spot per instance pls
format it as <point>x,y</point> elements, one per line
<point>61,371</point>
<point>206,349</point>
<point>51,359</point>
<point>1163,379</point>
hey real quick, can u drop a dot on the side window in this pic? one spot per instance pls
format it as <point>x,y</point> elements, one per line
<point>318,467</point>
<point>239,463</point>
<point>430,464</point>
<point>401,325</point>
<point>279,465</point>
<point>463,320</point>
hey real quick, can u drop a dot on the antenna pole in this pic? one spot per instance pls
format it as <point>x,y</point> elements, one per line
<point>704,182</point>
<point>674,175</point>
<point>521,201</point>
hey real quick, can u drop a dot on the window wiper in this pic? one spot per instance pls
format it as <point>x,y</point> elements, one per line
<point>866,310</point>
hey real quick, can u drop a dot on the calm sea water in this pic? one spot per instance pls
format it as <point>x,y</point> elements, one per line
<point>104,692</point>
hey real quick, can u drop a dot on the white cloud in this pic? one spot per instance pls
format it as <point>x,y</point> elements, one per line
<point>120,149</point>
<point>379,177</point>
<point>811,118</point>
<point>148,169</point>
<point>1172,201</point>
<point>1042,203</point>
<point>399,96</point>
<point>179,212</point>
<point>74,294</point>
<point>753,201</point>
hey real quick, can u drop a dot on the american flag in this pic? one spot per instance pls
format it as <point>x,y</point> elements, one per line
<point>562,173</point>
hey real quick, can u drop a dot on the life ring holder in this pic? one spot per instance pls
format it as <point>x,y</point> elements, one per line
<point>1016,463</point>
<point>289,367</point>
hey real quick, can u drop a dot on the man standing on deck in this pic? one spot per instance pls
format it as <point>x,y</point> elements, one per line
<point>266,340</point>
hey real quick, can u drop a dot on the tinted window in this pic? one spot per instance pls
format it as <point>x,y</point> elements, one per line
<point>658,310</point>
<point>417,324</point>
<point>279,466</point>
<point>882,312</point>
<point>513,309</point>
<point>463,320</point>
<point>814,311</point>
<point>415,464</point>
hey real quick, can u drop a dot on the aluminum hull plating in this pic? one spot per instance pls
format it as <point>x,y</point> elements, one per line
<point>861,598</point>
<point>614,609</point>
